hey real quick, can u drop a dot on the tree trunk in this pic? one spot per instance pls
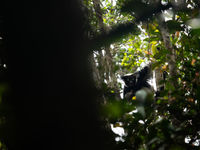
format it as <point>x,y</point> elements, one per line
<point>52,102</point>
<point>171,56</point>
<point>106,60</point>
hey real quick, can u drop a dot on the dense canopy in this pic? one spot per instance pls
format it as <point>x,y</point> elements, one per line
<point>134,34</point>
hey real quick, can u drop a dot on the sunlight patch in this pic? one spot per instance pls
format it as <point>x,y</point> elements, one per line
<point>118,130</point>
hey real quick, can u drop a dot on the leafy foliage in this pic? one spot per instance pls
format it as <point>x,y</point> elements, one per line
<point>171,121</point>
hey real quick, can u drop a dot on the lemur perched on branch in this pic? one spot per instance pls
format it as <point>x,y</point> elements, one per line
<point>136,81</point>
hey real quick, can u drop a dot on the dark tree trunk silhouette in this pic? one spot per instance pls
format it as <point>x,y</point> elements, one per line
<point>52,101</point>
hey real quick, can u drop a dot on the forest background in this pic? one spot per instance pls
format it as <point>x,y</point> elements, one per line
<point>39,105</point>
<point>161,33</point>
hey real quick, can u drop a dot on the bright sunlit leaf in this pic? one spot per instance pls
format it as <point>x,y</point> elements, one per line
<point>154,49</point>
<point>134,98</point>
<point>164,68</point>
<point>193,62</point>
<point>148,53</point>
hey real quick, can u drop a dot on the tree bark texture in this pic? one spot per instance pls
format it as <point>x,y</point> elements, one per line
<point>171,56</point>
